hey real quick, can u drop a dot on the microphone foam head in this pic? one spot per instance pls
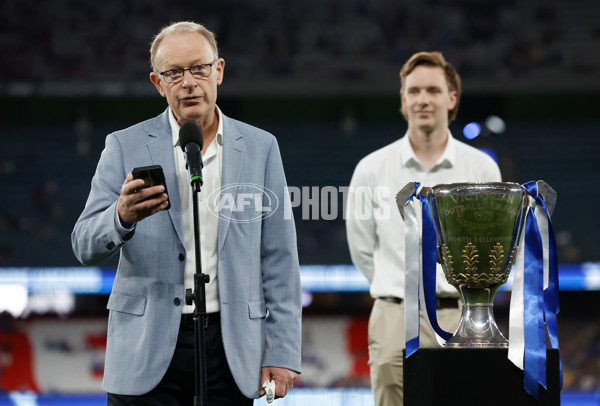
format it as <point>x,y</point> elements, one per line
<point>190,132</point>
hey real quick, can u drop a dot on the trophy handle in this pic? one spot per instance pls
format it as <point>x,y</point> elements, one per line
<point>401,197</point>
<point>548,194</point>
<point>403,194</point>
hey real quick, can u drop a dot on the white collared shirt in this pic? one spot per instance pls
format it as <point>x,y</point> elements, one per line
<point>207,207</point>
<point>374,227</point>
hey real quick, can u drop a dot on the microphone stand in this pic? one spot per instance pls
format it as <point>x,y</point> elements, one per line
<point>198,297</point>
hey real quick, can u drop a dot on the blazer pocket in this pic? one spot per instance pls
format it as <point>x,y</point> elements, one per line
<point>257,309</point>
<point>124,303</point>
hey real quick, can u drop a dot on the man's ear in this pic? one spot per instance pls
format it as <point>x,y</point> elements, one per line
<point>220,66</point>
<point>453,99</point>
<point>155,79</point>
<point>402,108</point>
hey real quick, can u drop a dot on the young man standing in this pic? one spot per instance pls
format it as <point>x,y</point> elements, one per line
<point>430,93</point>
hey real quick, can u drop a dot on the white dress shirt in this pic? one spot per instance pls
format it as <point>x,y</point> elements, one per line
<point>374,227</point>
<point>207,207</point>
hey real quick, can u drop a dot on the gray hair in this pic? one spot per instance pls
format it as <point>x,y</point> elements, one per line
<point>178,28</point>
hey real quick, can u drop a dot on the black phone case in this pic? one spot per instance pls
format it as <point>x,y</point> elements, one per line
<point>152,175</point>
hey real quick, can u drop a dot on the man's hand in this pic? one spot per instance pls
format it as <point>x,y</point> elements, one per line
<point>137,202</point>
<point>284,380</point>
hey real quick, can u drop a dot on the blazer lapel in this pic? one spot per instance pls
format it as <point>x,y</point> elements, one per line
<point>161,152</point>
<point>233,160</point>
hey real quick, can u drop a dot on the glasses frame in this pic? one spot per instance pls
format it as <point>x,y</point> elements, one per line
<point>204,65</point>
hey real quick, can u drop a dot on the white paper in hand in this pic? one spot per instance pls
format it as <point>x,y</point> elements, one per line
<point>269,387</point>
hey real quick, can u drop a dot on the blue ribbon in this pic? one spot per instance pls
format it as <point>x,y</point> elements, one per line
<point>429,254</point>
<point>535,345</point>
<point>551,303</point>
<point>412,346</point>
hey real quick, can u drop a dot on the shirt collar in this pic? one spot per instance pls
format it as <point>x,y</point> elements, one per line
<point>175,127</point>
<point>409,158</point>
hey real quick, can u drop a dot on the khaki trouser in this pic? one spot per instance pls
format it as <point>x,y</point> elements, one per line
<point>386,342</point>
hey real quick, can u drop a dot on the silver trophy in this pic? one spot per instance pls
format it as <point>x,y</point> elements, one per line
<point>478,226</point>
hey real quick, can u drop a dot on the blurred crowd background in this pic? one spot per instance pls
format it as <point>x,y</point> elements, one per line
<point>322,76</point>
<point>311,46</point>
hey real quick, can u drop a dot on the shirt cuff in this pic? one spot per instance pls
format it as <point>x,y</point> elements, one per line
<point>124,229</point>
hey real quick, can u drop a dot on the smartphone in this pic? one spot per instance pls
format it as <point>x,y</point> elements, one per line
<point>152,175</point>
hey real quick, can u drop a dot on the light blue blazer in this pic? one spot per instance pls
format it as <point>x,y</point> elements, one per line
<point>258,272</point>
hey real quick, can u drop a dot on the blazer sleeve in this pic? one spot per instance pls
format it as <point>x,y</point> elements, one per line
<point>95,237</point>
<point>281,273</point>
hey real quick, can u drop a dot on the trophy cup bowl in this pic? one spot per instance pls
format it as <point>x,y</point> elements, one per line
<point>478,226</point>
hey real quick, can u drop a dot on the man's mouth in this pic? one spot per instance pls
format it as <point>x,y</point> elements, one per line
<point>189,100</point>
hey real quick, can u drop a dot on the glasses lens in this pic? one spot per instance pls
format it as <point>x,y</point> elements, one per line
<point>174,75</point>
<point>200,71</point>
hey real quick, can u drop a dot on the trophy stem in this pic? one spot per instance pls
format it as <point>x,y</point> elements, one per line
<point>477,326</point>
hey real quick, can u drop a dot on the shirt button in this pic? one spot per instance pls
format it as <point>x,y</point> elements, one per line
<point>181,257</point>
<point>177,301</point>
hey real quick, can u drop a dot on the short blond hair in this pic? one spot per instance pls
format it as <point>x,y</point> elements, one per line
<point>434,59</point>
<point>178,28</point>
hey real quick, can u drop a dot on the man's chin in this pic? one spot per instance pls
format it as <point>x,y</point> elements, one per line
<point>192,113</point>
<point>426,127</point>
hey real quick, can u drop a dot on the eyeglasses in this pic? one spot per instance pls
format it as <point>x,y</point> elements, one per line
<point>199,72</point>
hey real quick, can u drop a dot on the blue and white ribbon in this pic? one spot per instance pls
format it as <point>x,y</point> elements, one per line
<point>534,300</point>
<point>420,270</point>
<point>412,272</point>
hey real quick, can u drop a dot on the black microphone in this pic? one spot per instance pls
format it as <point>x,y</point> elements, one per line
<point>190,141</point>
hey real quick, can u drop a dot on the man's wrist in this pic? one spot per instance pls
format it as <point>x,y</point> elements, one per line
<point>125,224</point>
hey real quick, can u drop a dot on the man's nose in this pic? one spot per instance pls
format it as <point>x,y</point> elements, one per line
<point>188,79</point>
<point>423,98</point>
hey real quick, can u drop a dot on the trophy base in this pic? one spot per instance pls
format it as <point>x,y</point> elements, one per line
<point>477,329</point>
<point>475,372</point>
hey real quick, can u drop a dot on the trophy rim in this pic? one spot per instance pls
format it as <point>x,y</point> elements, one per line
<point>477,187</point>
